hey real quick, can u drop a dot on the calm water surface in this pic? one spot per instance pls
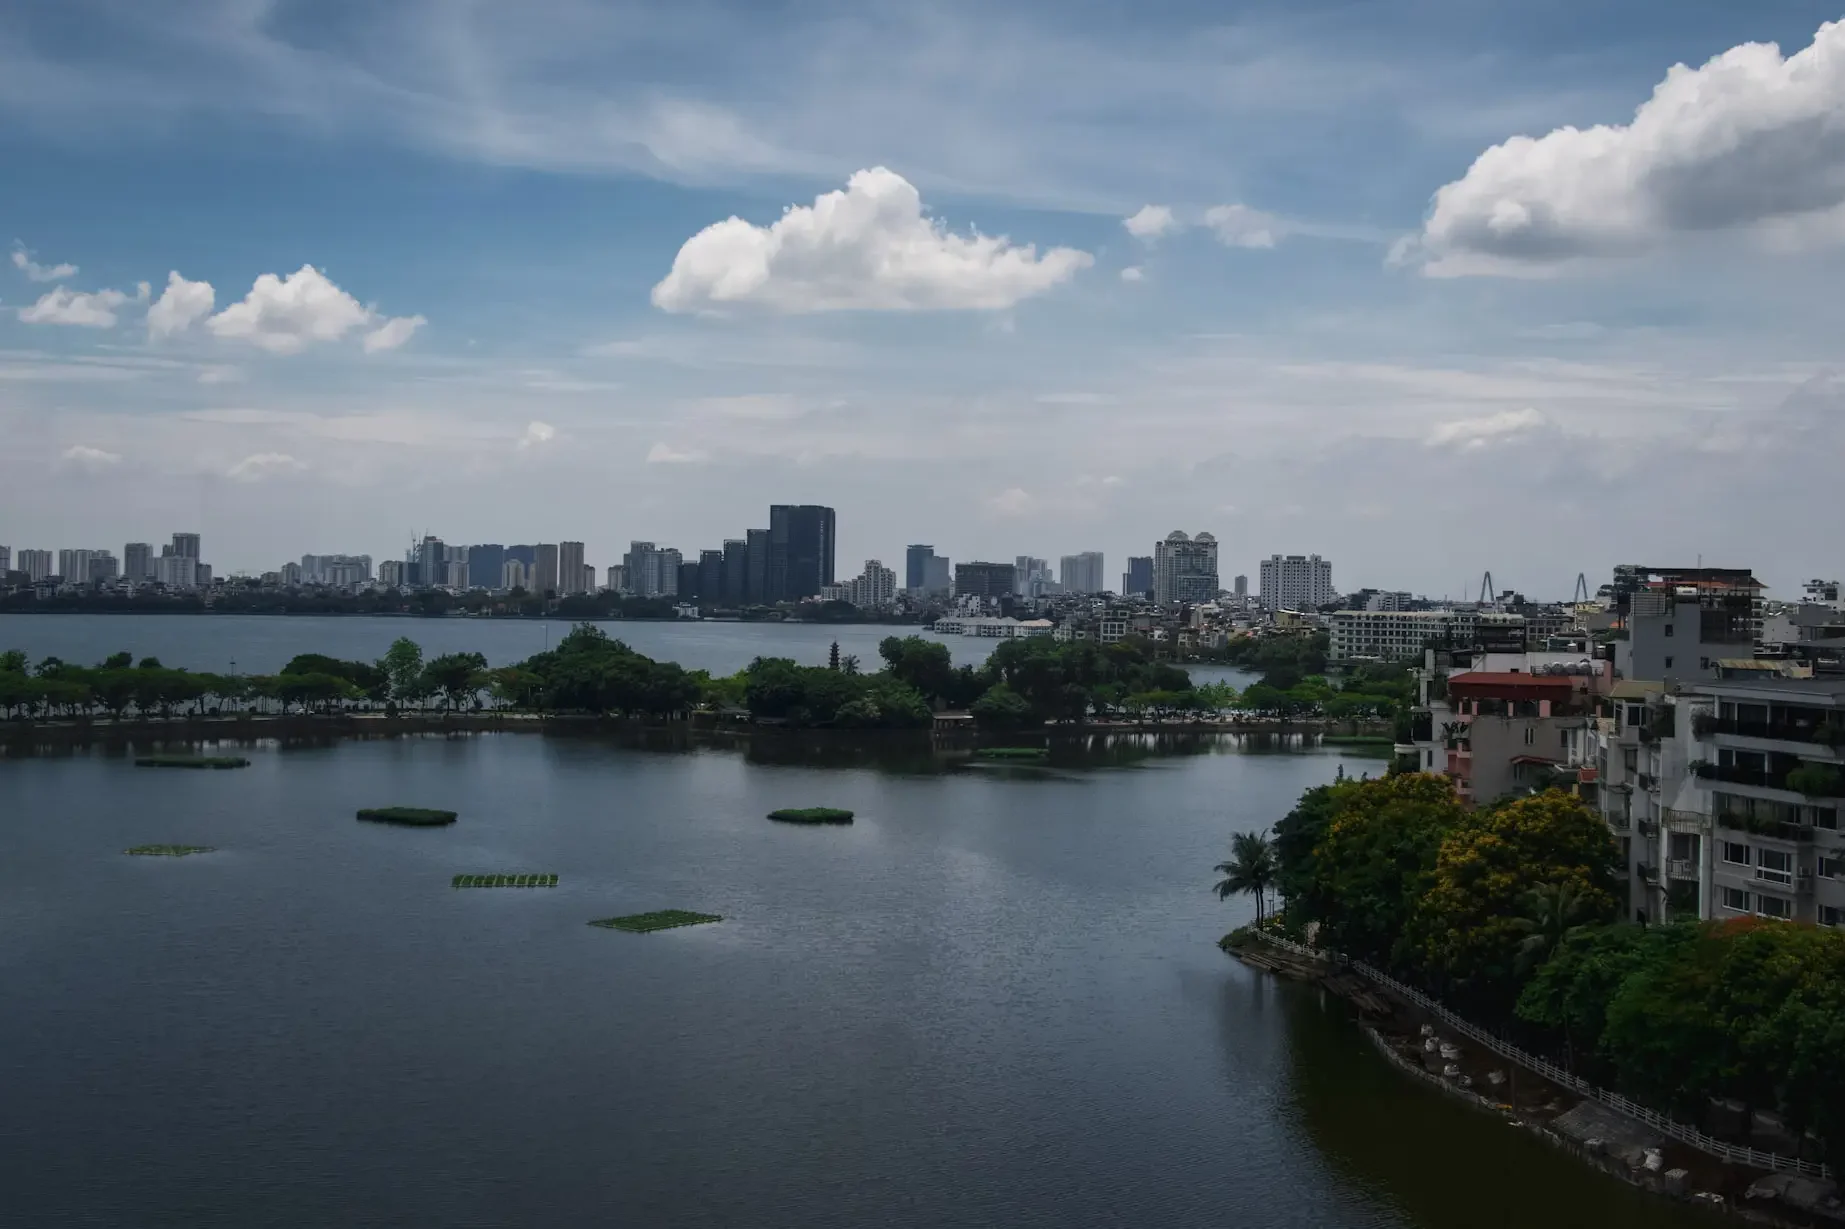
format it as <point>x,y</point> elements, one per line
<point>993,1001</point>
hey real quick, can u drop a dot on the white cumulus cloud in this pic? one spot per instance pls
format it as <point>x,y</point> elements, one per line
<point>284,315</point>
<point>665,454</point>
<point>1013,501</point>
<point>1480,432</point>
<point>181,305</point>
<point>869,247</point>
<point>22,260</point>
<point>1150,222</point>
<point>61,306</point>
<point>93,459</point>
<point>1133,273</point>
<point>261,465</point>
<point>392,333</point>
<point>1749,138</point>
<point>537,434</point>
<point>1242,227</point>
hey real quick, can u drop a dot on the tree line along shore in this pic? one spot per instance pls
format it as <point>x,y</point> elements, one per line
<point>1024,684</point>
<point>1510,914</point>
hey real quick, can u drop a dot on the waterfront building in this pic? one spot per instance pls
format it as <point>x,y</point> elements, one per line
<point>1184,569</point>
<point>180,572</point>
<point>802,539</point>
<point>83,567</point>
<point>736,591</point>
<point>616,581</point>
<point>515,575</point>
<point>290,576</point>
<point>651,571</point>
<point>391,573</point>
<point>526,554</point>
<point>455,574</point>
<point>991,628</point>
<point>937,580</point>
<point>926,573</point>
<point>872,589</point>
<point>987,581</point>
<point>544,568</point>
<point>36,564</point>
<point>137,561</point>
<point>688,583</point>
<point>6,561</point>
<point>185,545</point>
<point>757,557</point>
<point>486,563</point>
<point>1501,733</point>
<point>1402,635</point>
<point>337,571</point>
<point>1028,572</point>
<point>1296,582</point>
<point>1081,573</point>
<point>570,568</point>
<point>710,588</point>
<point>915,561</point>
<point>1137,581</point>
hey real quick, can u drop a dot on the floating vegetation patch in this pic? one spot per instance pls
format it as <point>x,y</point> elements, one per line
<point>1013,753</point>
<point>1358,740</point>
<point>812,815</point>
<point>191,761</point>
<point>413,817</point>
<point>167,851</point>
<point>665,919</point>
<point>505,881</point>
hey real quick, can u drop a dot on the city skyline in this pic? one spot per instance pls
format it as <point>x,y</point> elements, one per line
<point>1272,267</point>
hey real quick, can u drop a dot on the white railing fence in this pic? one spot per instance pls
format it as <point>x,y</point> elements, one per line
<point>1557,1075</point>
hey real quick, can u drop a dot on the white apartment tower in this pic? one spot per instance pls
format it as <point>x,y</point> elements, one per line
<point>1184,569</point>
<point>1296,582</point>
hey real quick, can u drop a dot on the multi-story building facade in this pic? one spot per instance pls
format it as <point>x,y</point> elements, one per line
<point>1082,573</point>
<point>1029,574</point>
<point>137,562</point>
<point>872,589</point>
<point>515,575</point>
<point>6,560</point>
<point>802,539</point>
<point>710,577</point>
<point>570,568</point>
<point>736,592</point>
<point>1137,581</point>
<point>1296,582</point>
<point>337,571</point>
<point>1184,569</point>
<point>391,573</point>
<point>1501,733</point>
<point>486,563</point>
<point>544,577</point>
<point>916,558</point>
<point>651,571</point>
<point>987,581</point>
<point>185,545</point>
<point>1403,635</point>
<point>36,564</point>
<point>179,572</point>
<point>1680,624</point>
<point>615,579</point>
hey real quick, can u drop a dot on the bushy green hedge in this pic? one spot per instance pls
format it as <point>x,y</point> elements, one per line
<point>812,815</point>
<point>414,817</point>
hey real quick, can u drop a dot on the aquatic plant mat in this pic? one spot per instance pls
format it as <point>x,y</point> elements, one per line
<point>812,815</point>
<point>167,851</point>
<point>665,919</point>
<point>191,761</point>
<point>1012,753</point>
<point>505,881</point>
<point>415,817</point>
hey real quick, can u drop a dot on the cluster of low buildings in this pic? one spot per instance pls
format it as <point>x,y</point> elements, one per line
<point>1705,725</point>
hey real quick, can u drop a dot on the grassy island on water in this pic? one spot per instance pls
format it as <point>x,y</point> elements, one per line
<point>505,881</point>
<point>1027,754</point>
<point>413,817</point>
<point>167,851</point>
<point>811,815</point>
<point>664,919</point>
<point>191,761</point>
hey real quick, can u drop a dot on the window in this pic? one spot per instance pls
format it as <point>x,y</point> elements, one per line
<point>1630,759</point>
<point>1682,847</point>
<point>1668,663</point>
<point>1636,715</point>
<point>1831,916</point>
<point>1530,737</point>
<point>1774,865</point>
<point>1428,760</point>
<point>1668,631</point>
<point>1735,898</point>
<point>1832,868</point>
<point>1736,853</point>
<point>1773,906</point>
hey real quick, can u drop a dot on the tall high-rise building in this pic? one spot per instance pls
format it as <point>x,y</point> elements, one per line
<point>586,582</point>
<point>431,559</point>
<point>651,571</point>
<point>544,568</point>
<point>178,571</point>
<point>801,545</point>
<point>186,545</point>
<point>1296,582</point>
<point>1026,572</point>
<point>1184,569</point>
<point>872,589</point>
<point>687,588</point>
<point>757,557</point>
<point>137,561</point>
<point>528,555</point>
<point>915,566</point>
<point>1242,587</point>
<point>36,564</point>
<point>486,565</point>
<point>570,568</point>
<point>710,577</point>
<point>1137,581</point>
<point>736,572</point>
<point>614,578</point>
<point>6,560</point>
<point>513,575</point>
<point>391,573</point>
<point>74,566</point>
<point>1081,573</point>
<point>984,580</point>
<point>937,580</point>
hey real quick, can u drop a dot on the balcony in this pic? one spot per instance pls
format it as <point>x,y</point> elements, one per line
<point>1822,733</point>
<point>1681,868</point>
<point>1648,827</point>
<point>1800,834</point>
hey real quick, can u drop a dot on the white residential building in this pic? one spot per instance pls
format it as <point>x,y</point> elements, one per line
<point>36,564</point>
<point>1184,569</point>
<point>1082,573</point>
<point>1296,582</point>
<point>514,575</point>
<point>872,589</point>
<point>1402,635</point>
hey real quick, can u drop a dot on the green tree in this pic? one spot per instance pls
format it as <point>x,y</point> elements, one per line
<point>1001,708</point>
<point>457,677</point>
<point>13,661</point>
<point>1377,859</point>
<point>118,661</point>
<point>924,665</point>
<point>403,665</point>
<point>1250,870</point>
<point>1552,913</point>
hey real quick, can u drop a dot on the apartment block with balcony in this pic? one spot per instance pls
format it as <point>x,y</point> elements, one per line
<point>1499,734</point>
<point>1769,762</point>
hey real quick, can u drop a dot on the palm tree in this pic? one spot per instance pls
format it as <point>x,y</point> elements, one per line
<point>1553,912</point>
<point>1251,869</point>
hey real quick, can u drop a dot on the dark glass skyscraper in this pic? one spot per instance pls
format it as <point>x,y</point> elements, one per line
<point>756,554</point>
<point>710,577</point>
<point>801,542</point>
<point>486,564</point>
<point>736,572</point>
<point>916,566</point>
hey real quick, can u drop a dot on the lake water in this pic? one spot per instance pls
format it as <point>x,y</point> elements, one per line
<point>995,1000</point>
<point>263,644</point>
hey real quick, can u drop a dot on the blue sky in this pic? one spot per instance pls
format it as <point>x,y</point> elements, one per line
<point>1399,302</point>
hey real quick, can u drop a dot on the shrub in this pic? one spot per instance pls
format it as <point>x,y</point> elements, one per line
<point>664,919</point>
<point>413,817</point>
<point>812,815</point>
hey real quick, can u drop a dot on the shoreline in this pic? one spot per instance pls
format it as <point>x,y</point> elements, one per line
<point>1597,1135</point>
